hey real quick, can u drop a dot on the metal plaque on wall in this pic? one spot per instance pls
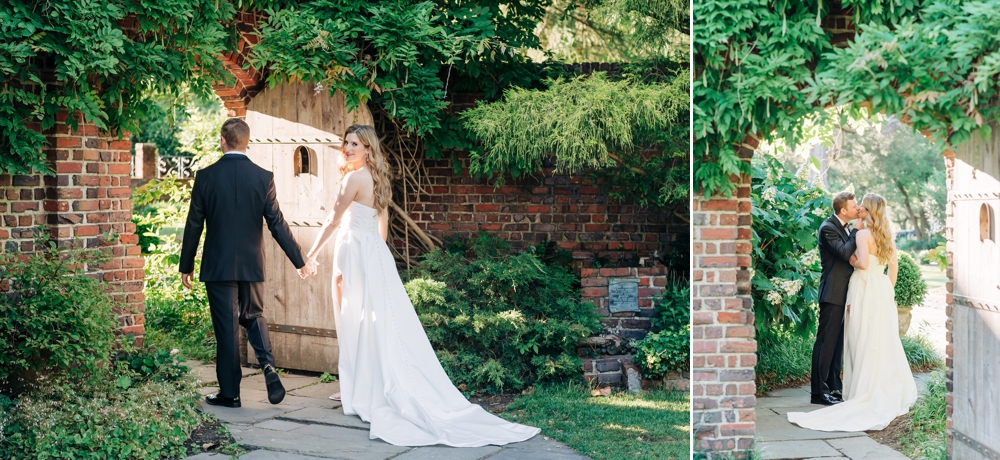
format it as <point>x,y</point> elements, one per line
<point>623,295</point>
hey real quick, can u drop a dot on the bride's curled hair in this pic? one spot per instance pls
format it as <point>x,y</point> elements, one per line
<point>878,222</point>
<point>379,168</point>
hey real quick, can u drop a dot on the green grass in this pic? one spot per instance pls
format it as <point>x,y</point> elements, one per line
<point>783,360</point>
<point>926,438</point>
<point>920,354</point>
<point>933,276</point>
<point>647,425</point>
<point>186,326</point>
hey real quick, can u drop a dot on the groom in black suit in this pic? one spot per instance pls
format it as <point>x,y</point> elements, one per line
<point>836,252</point>
<point>231,198</point>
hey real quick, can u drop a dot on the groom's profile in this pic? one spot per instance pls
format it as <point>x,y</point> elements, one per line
<point>229,200</point>
<point>836,251</point>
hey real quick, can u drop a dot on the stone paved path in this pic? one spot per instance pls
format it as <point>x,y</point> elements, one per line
<point>779,439</point>
<point>307,425</point>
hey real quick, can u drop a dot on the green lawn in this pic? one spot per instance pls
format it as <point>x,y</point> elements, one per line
<point>647,425</point>
<point>933,275</point>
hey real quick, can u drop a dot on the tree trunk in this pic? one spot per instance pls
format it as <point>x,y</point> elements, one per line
<point>909,210</point>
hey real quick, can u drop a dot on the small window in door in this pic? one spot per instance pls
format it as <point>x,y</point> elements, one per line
<point>987,223</point>
<point>305,160</point>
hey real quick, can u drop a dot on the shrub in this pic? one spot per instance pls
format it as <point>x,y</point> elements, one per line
<point>667,348</point>
<point>927,435</point>
<point>920,354</point>
<point>56,322</point>
<point>499,320</point>
<point>150,417</point>
<point>783,359</point>
<point>910,286</point>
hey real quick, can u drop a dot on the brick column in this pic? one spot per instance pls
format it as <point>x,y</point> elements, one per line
<point>722,335</point>
<point>87,199</point>
<point>949,360</point>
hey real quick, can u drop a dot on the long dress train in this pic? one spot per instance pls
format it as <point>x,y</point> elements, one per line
<point>389,374</point>
<point>878,385</point>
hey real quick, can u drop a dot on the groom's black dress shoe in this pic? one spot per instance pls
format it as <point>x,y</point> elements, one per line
<point>824,399</point>
<point>837,396</point>
<point>275,391</point>
<point>217,400</point>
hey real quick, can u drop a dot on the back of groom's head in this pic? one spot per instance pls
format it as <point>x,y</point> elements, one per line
<point>236,132</point>
<point>840,201</point>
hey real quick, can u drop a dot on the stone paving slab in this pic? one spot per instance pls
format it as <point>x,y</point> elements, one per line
<point>317,390</point>
<point>326,416</point>
<point>773,427</point>
<point>776,450</point>
<point>251,412</point>
<point>290,381</point>
<point>865,448</point>
<point>272,455</point>
<point>319,441</point>
<point>783,411</point>
<point>205,373</point>
<point>279,425</point>
<point>448,453</point>
<point>209,456</point>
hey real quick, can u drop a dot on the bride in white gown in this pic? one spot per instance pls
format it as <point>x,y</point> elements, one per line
<point>878,385</point>
<point>389,374</point>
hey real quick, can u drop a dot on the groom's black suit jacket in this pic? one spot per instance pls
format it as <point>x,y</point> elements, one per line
<point>231,197</point>
<point>836,246</point>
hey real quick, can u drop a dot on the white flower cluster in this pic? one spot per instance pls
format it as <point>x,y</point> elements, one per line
<point>811,258</point>
<point>774,298</point>
<point>791,287</point>
<point>804,172</point>
<point>819,212</point>
<point>769,194</point>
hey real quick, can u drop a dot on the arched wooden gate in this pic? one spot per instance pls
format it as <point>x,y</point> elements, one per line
<point>295,132</point>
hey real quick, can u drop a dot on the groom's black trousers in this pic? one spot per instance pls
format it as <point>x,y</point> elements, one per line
<point>233,304</point>
<point>828,351</point>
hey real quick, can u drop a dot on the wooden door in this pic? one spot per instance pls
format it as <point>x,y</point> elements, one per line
<point>296,132</point>
<point>974,201</point>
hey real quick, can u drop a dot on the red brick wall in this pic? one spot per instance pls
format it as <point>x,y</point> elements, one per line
<point>571,211</point>
<point>722,335</point>
<point>89,196</point>
<point>612,344</point>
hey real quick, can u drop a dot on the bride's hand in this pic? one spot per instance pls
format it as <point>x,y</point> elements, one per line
<point>861,224</point>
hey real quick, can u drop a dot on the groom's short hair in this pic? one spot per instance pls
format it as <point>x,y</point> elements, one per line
<point>839,200</point>
<point>236,132</point>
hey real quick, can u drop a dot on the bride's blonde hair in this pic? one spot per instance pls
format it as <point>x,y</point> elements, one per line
<point>878,222</point>
<point>381,173</point>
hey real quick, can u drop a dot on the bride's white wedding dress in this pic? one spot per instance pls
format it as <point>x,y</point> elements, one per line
<point>389,374</point>
<point>878,385</point>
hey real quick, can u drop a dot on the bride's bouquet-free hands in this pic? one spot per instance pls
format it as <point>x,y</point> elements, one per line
<point>308,269</point>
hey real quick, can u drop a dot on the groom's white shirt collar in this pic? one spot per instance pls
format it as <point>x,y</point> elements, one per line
<point>234,152</point>
<point>842,223</point>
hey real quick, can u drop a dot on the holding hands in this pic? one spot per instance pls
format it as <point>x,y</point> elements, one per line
<point>309,268</point>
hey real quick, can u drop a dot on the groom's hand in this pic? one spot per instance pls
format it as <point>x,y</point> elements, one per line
<point>186,280</point>
<point>853,259</point>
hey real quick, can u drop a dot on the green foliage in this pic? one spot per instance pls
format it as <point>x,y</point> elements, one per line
<point>787,212</point>
<point>500,321</point>
<point>136,411</point>
<point>182,122</point>
<point>784,358</point>
<point>910,285</point>
<point>929,62</point>
<point>56,322</point>
<point>926,439</point>
<point>648,425</point>
<point>939,255</point>
<point>667,348</point>
<point>920,353</point>
<point>589,123</point>
<point>81,57</point>
<point>327,378</point>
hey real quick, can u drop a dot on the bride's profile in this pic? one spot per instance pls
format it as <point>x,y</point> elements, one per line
<point>878,384</point>
<point>389,373</point>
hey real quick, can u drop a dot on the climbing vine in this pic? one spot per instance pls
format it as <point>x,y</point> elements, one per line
<point>765,66</point>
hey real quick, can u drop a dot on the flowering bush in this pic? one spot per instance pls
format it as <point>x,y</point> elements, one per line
<point>787,212</point>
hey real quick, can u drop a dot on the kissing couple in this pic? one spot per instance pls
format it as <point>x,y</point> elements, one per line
<point>858,324</point>
<point>389,374</point>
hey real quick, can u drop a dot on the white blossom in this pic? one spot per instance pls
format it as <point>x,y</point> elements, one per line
<point>804,172</point>
<point>769,194</point>
<point>790,287</point>
<point>774,298</point>
<point>810,258</point>
<point>819,212</point>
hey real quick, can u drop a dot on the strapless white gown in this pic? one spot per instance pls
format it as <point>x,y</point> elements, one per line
<point>389,374</point>
<point>878,385</point>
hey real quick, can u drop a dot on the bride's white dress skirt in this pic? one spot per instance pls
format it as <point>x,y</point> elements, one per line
<point>878,385</point>
<point>389,374</point>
